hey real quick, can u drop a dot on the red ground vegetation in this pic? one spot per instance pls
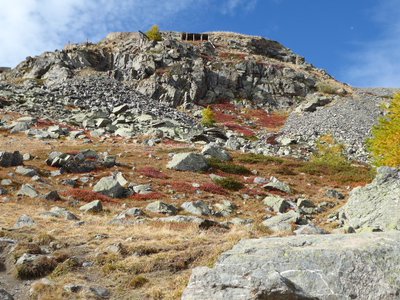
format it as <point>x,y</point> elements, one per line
<point>180,186</point>
<point>87,196</point>
<point>240,129</point>
<point>41,123</point>
<point>212,189</point>
<point>149,196</point>
<point>267,120</point>
<point>152,173</point>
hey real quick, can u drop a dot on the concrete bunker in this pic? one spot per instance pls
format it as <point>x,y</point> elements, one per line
<point>203,37</point>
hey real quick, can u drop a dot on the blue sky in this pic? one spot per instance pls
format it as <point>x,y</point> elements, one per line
<point>356,41</point>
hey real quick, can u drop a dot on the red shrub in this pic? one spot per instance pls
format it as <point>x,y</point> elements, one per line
<point>240,129</point>
<point>152,173</point>
<point>224,112</point>
<point>268,120</point>
<point>212,189</point>
<point>181,186</point>
<point>150,196</point>
<point>87,196</point>
<point>221,117</point>
<point>41,123</point>
<point>225,105</point>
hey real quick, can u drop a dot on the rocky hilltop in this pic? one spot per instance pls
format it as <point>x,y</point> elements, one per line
<point>228,66</point>
<point>247,71</point>
<point>112,187</point>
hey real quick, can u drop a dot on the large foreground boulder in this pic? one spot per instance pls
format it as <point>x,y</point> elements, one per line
<point>377,205</point>
<point>356,266</point>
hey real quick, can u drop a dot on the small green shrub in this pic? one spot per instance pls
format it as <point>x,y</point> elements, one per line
<point>228,167</point>
<point>229,184</point>
<point>329,158</point>
<point>208,117</point>
<point>251,158</point>
<point>154,33</point>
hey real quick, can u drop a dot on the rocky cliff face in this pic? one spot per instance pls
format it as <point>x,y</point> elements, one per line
<point>226,67</point>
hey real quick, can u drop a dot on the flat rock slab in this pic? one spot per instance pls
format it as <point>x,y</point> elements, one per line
<point>354,266</point>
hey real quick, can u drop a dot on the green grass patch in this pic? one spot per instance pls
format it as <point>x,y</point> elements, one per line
<point>229,184</point>
<point>343,173</point>
<point>228,167</point>
<point>251,158</point>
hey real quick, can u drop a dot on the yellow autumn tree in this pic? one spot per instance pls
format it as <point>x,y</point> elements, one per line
<point>208,117</point>
<point>154,33</point>
<point>384,145</point>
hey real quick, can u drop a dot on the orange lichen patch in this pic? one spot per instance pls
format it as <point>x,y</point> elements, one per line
<point>152,173</point>
<point>149,196</point>
<point>87,196</point>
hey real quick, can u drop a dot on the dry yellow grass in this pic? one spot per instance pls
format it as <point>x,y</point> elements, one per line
<point>157,259</point>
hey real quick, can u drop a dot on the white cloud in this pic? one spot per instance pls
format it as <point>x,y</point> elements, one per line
<point>29,27</point>
<point>377,63</point>
<point>230,6</point>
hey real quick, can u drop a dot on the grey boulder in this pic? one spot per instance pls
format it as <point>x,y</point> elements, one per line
<point>24,221</point>
<point>283,222</point>
<point>377,205</point>
<point>276,184</point>
<point>199,208</point>
<point>201,223</point>
<point>60,212</point>
<point>26,171</point>
<point>28,191</point>
<point>326,267</point>
<point>188,162</point>
<point>4,295</point>
<point>278,204</point>
<point>10,159</point>
<point>92,207</point>
<point>109,186</point>
<point>161,208</point>
<point>216,152</point>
